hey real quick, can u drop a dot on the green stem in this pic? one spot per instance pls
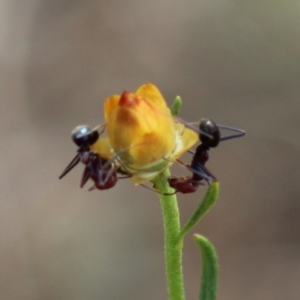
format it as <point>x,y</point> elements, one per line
<point>173,256</point>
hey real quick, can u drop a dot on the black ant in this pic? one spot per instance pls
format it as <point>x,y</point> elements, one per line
<point>102,171</point>
<point>210,137</point>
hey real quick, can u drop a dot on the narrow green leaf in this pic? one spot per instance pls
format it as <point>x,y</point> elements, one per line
<point>209,277</point>
<point>176,106</point>
<point>208,201</point>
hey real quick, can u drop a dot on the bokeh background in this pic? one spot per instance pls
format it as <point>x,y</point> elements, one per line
<point>236,62</point>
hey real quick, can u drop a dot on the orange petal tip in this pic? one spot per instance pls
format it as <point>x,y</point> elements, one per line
<point>128,100</point>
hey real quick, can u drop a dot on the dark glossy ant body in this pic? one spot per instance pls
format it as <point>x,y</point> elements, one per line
<point>210,137</point>
<point>102,171</point>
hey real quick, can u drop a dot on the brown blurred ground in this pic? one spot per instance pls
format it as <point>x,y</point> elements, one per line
<point>235,63</point>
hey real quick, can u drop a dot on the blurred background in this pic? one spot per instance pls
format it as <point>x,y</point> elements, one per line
<point>237,62</point>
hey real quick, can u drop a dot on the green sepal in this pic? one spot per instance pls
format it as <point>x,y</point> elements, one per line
<point>176,106</point>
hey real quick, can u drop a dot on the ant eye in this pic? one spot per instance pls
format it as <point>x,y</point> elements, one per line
<point>84,135</point>
<point>210,127</point>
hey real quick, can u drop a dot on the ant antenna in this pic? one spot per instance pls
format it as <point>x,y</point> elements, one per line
<point>239,132</point>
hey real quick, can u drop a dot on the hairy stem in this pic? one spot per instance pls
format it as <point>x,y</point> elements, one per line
<point>173,256</point>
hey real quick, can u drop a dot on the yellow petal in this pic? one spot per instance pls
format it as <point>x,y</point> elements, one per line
<point>109,106</point>
<point>103,148</point>
<point>186,139</point>
<point>150,92</point>
<point>141,130</point>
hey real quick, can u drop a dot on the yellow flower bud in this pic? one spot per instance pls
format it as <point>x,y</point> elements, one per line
<point>142,130</point>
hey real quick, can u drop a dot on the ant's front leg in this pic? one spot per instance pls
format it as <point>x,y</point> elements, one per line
<point>183,164</point>
<point>85,176</point>
<point>202,173</point>
<point>125,174</point>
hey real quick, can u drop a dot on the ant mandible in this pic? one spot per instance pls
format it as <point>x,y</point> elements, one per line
<point>210,137</point>
<point>102,171</point>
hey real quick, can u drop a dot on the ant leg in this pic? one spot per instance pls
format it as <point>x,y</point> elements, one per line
<point>107,176</point>
<point>182,163</point>
<point>99,126</point>
<point>192,152</point>
<point>124,177</point>
<point>92,188</point>
<point>123,172</point>
<point>170,194</point>
<point>152,189</point>
<point>202,173</point>
<point>85,176</point>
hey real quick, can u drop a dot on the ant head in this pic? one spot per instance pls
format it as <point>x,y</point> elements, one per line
<point>84,135</point>
<point>212,129</point>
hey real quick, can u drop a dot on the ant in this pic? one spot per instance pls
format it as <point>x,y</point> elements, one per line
<point>102,171</point>
<point>210,137</point>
